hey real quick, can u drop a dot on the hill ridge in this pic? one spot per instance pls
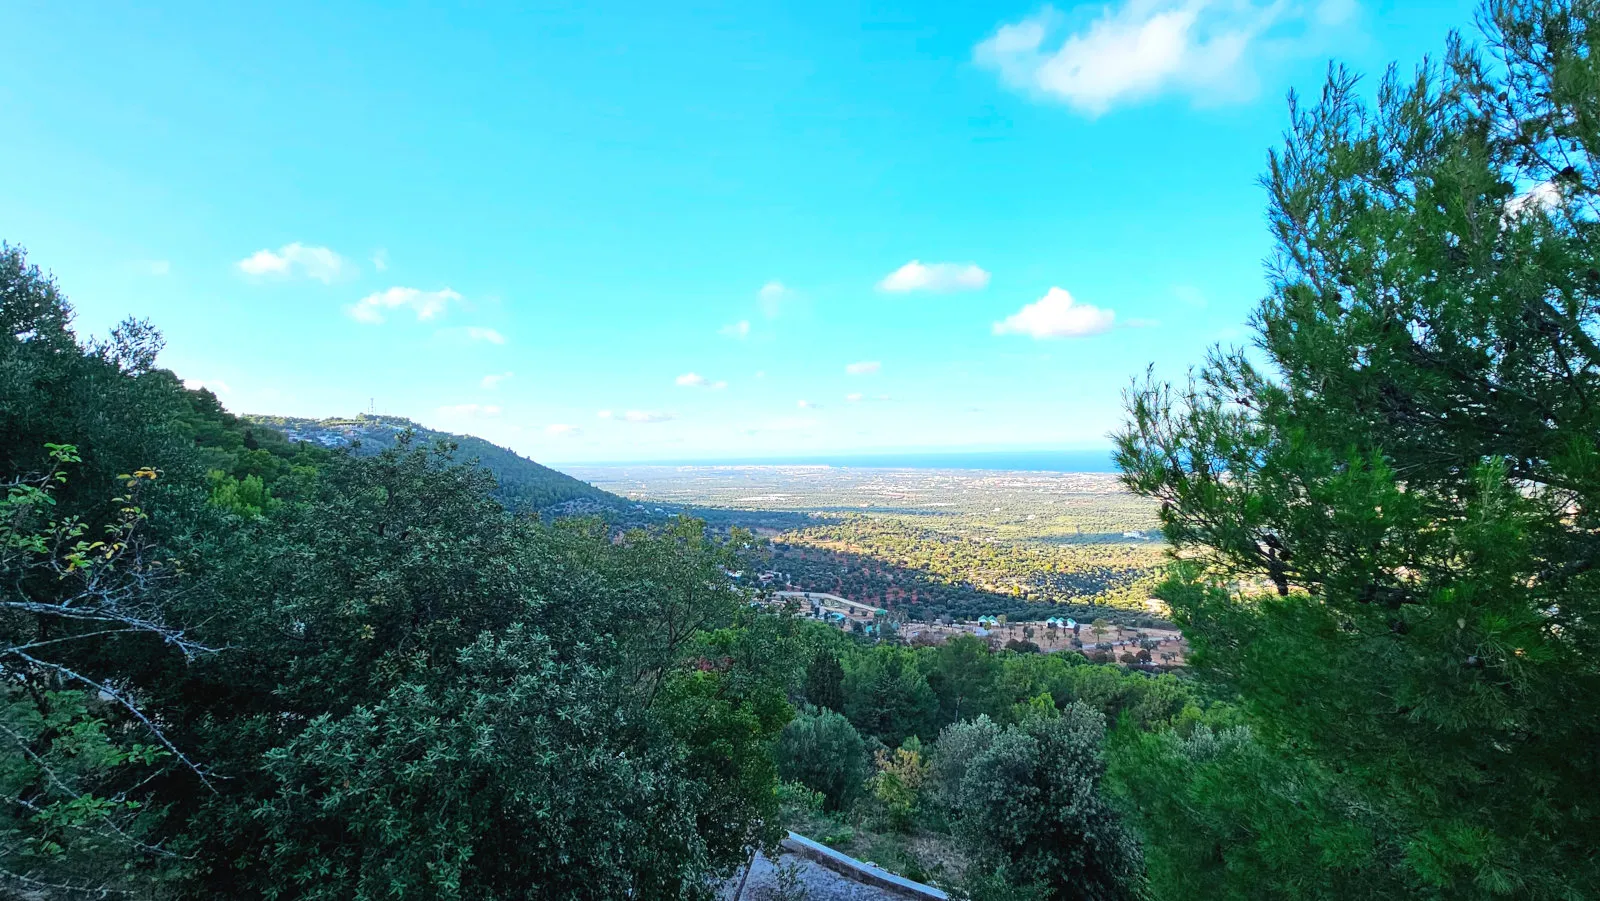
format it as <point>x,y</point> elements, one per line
<point>522,484</point>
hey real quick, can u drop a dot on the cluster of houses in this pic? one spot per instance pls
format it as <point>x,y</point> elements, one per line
<point>323,438</point>
<point>1054,622</point>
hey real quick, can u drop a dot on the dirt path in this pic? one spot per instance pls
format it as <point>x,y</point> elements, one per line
<point>821,883</point>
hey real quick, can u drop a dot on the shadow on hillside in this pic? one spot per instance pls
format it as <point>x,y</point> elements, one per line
<point>920,595</point>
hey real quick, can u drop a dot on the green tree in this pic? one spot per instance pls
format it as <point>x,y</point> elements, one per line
<point>1388,512</point>
<point>1025,801</point>
<point>1223,817</point>
<point>823,752</point>
<point>78,750</point>
<point>897,784</point>
<point>888,697</point>
<point>825,681</point>
<point>412,692</point>
<point>962,674</point>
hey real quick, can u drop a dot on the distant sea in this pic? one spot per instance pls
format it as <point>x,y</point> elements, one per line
<point>1020,461</point>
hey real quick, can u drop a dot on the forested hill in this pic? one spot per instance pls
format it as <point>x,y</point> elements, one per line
<point>522,484</point>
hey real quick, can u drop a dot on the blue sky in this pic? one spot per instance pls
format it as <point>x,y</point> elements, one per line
<point>626,231</point>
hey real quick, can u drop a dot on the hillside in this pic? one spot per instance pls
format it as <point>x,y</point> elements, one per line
<point>522,484</point>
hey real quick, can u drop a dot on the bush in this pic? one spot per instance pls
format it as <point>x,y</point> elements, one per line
<point>823,752</point>
<point>1025,801</point>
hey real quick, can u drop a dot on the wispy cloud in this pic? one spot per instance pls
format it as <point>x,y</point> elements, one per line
<point>493,381</point>
<point>380,260</point>
<point>561,428</point>
<point>425,304</point>
<point>808,405</point>
<point>865,367</point>
<point>479,333</point>
<point>853,398</point>
<point>737,330</point>
<point>647,416</point>
<point>318,263</point>
<point>605,414</point>
<point>1206,49</point>
<point>155,267</point>
<point>938,277</point>
<point>696,380</point>
<point>772,296</point>
<point>470,410</point>
<point>1056,315</point>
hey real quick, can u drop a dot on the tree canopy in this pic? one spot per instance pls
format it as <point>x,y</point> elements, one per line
<point>237,667</point>
<point>1385,511</point>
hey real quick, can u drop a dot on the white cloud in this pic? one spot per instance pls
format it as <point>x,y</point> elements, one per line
<point>808,405</point>
<point>561,428</point>
<point>479,333</point>
<point>865,367</point>
<point>1056,315</point>
<point>1142,48</point>
<point>738,330</point>
<point>426,304</point>
<point>605,414</point>
<point>1542,196</point>
<point>493,381</point>
<point>939,277</point>
<point>215,386</point>
<point>646,416</point>
<point>380,260</point>
<point>853,398</point>
<point>470,410</point>
<point>772,295</point>
<point>696,380</point>
<point>156,267</point>
<point>319,263</point>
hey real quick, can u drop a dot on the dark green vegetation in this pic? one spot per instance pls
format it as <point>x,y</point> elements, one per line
<point>238,667</point>
<point>519,483</point>
<point>926,545</point>
<point>984,771</point>
<point>235,667</point>
<point>1389,516</point>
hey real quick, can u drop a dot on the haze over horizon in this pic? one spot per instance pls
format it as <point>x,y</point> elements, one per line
<point>638,234</point>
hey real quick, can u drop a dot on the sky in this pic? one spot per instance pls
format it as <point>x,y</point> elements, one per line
<point>673,231</point>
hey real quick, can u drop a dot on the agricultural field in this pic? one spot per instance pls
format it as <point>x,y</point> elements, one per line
<point>930,544</point>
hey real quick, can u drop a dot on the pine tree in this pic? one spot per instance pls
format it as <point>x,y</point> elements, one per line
<point>825,682</point>
<point>1387,513</point>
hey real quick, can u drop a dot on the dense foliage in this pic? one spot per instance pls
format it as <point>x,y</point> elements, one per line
<point>823,752</point>
<point>987,766</point>
<point>1387,512</point>
<point>237,667</point>
<point>1026,799</point>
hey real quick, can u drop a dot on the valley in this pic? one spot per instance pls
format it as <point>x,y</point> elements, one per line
<point>930,545</point>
